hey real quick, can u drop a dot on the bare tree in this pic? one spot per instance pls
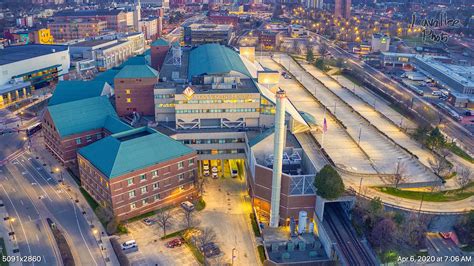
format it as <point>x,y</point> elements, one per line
<point>206,236</point>
<point>163,219</point>
<point>400,175</point>
<point>440,166</point>
<point>322,49</point>
<point>464,177</point>
<point>189,219</point>
<point>200,183</point>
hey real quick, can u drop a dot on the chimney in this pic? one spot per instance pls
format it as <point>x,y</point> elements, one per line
<point>278,146</point>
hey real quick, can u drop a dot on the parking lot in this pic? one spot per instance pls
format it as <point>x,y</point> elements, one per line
<point>227,213</point>
<point>151,250</point>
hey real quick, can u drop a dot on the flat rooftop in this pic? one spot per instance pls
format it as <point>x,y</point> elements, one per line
<point>12,54</point>
<point>209,27</point>
<point>91,43</point>
<point>245,86</point>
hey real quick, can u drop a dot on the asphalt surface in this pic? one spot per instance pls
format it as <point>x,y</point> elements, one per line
<point>32,233</point>
<point>29,180</point>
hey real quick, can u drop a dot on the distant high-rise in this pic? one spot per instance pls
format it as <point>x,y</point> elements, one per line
<point>342,8</point>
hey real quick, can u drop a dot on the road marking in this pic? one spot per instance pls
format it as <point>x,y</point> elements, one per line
<point>21,201</point>
<point>44,259</point>
<point>19,219</point>
<point>29,217</point>
<point>37,238</point>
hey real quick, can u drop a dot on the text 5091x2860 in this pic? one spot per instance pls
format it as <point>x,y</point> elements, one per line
<point>21,258</point>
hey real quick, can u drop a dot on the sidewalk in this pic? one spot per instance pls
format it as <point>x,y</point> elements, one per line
<point>72,189</point>
<point>10,243</point>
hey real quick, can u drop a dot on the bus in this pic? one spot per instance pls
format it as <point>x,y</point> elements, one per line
<point>233,168</point>
<point>33,129</point>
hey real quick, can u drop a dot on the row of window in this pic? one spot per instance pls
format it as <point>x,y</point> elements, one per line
<point>89,138</point>
<point>233,110</point>
<point>230,151</point>
<point>154,174</point>
<point>146,201</point>
<point>217,101</point>
<point>212,141</point>
<point>164,96</point>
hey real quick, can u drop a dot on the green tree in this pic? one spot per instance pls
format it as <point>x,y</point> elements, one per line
<point>375,210</point>
<point>329,183</point>
<point>309,54</point>
<point>435,140</point>
<point>320,64</point>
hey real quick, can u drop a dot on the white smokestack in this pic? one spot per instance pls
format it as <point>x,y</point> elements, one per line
<point>278,146</point>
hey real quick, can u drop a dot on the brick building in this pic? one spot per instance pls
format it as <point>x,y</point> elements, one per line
<point>76,119</point>
<point>224,19</point>
<point>138,171</point>
<point>270,40</point>
<point>116,19</point>
<point>134,86</point>
<point>67,30</point>
<point>159,50</point>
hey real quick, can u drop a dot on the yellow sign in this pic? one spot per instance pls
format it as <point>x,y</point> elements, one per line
<point>188,93</point>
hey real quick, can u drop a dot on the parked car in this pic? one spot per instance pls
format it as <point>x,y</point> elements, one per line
<point>148,221</point>
<point>210,250</point>
<point>177,242</point>
<point>129,245</point>
<point>187,205</point>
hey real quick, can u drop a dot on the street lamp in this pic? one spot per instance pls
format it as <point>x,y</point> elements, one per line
<point>233,256</point>
<point>21,118</point>
<point>11,220</point>
<point>360,132</point>
<point>58,170</point>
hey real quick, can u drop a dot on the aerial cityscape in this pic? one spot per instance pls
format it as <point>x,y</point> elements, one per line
<point>225,132</point>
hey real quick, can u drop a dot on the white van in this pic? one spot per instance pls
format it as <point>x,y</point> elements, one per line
<point>129,245</point>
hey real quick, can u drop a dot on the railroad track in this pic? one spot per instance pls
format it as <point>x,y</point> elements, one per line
<point>353,251</point>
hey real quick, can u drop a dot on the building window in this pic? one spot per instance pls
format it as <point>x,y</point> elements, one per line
<point>180,165</point>
<point>130,181</point>
<point>129,100</point>
<point>191,162</point>
<point>128,91</point>
<point>145,202</point>
<point>88,138</point>
<point>157,197</point>
<point>98,135</point>
<point>181,187</point>
<point>180,177</point>
<point>154,174</point>
<point>131,194</point>
<point>133,206</point>
<point>144,190</point>
<point>156,186</point>
<point>78,141</point>
<point>142,178</point>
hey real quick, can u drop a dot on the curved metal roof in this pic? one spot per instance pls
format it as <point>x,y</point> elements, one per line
<point>214,59</point>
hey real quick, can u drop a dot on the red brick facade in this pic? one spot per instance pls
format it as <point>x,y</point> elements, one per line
<point>151,188</point>
<point>158,55</point>
<point>290,205</point>
<point>135,95</point>
<point>65,148</point>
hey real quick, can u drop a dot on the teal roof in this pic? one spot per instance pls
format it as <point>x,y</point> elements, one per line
<point>73,90</point>
<point>137,71</point>
<point>82,115</point>
<point>309,118</point>
<point>160,42</point>
<point>214,59</point>
<point>114,125</point>
<point>135,149</point>
<point>108,76</point>
<point>261,136</point>
<point>136,60</point>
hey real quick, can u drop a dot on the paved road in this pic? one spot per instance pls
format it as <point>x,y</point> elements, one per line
<point>53,202</point>
<point>451,128</point>
<point>384,154</point>
<point>440,247</point>
<point>33,235</point>
<point>338,144</point>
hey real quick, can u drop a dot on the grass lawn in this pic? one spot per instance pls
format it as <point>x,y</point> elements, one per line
<point>468,249</point>
<point>3,252</point>
<point>253,220</point>
<point>461,153</point>
<point>442,196</point>
<point>261,253</point>
<point>174,234</point>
